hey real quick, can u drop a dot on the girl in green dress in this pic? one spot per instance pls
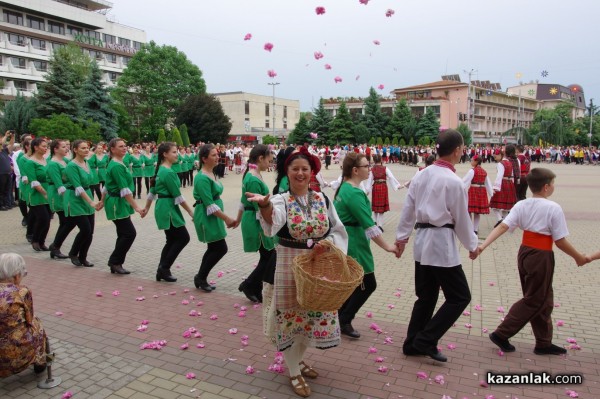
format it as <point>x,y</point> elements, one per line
<point>252,233</point>
<point>117,198</point>
<point>101,161</point>
<point>137,171</point>
<point>92,162</point>
<point>79,204</point>
<point>165,188</point>
<point>354,209</point>
<point>23,185</point>
<point>209,218</point>
<point>149,159</point>
<point>281,181</point>
<point>56,191</point>
<point>177,166</point>
<point>35,170</point>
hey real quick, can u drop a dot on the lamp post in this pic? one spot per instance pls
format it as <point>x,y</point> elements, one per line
<point>469,98</point>
<point>273,84</point>
<point>591,119</point>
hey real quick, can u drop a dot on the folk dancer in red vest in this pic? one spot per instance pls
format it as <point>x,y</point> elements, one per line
<point>479,190</point>
<point>504,197</point>
<point>379,177</point>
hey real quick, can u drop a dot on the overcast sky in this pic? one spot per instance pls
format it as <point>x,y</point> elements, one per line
<point>421,41</point>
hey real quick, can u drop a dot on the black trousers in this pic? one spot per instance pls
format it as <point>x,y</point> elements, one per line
<point>522,190</point>
<point>425,329</point>
<point>96,190</point>
<point>64,228</point>
<point>358,298</point>
<point>137,186</point>
<point>215,251</point>
<point>83,240</point>
<point>125,237</point>
<point>147,183</point>
<point>5,186</point>
<point>177,239</point>
<point>39,217</point>
<point>262,271</point>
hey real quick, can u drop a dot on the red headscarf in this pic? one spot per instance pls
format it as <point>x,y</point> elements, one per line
<point>314,162</point>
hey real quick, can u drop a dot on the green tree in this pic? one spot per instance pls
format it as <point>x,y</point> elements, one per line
<point>18,113</point>
<point>387,141</point>
<point>161,136</point>
<point>341,127</point>
<point>268,139</point>
<point>59,94</point>
<point>125,125</point>
<point>395,141</point>
<point>177,137</point>
<point>374,119</point>
<point>290,139</point>
<point>157,80</point>
<point>300,134</point>
<point>204,117</point>
<point>79,62</point>
<point>321,123</point>
<point>184,135</point>
<point>403,122</point>
<point>372,141</point>
<point>62,126</point>
<point>411,142</point>
<point>379,141</point>
<point>96,103</point>
<point>428,125</point>
<point>464,130</point>
<point>361,133</point>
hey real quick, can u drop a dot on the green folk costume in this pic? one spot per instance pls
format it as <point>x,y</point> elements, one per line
<point>354,209</point>
<point>35,172</point>
<point>23,187</point>
<point>137,166</point>
<point>207,193</point>
<point>101,164</point>
<point>252,233</point>
<point>93,164</point>
<point>284,185</point>
<point>149,164</point>
<point>166,210</point>
<point>54,176</point>
<point>76,178</point>
<point>177,165</point>
<point>119,183</point>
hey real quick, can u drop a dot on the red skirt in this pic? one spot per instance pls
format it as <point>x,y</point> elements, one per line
<point>381,200</point>
<point>478,200</point>
<point>506,197</point>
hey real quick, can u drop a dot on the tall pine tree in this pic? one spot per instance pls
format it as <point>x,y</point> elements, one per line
<point>161,136</point>
<point>96,104</point>
<point>300,134</point>
<point>321,123</point>
<point>428,125</point>
<point>177,137</point>
<point>184,135</point>
<point>402,123</point>
<point>375,120</point>
<point>341,127</point>
<point>58,94</point>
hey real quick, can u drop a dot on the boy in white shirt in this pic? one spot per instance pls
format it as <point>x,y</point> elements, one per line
<point>543,222</point>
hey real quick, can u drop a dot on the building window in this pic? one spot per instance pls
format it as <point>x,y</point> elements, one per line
<point>56,27</point>
<point>137,45</point>
<point>20,85</point>
<point>38,44</point>
<point>40,65</point>
<point>109,38</point>
<point>73,30</point>
<point>285,111</point>
<point>18,62</point>
<point>17,40</point>
<point>112,58</point>
<point>36,23</point>
<point>94,34</point>
<point>266,109</point>
<point>96,54</point>
<point>113,76</point>
<point>266,123</point>
<point>56,46</point>
<point>285,124</point>
<point>15,18</point>
<point>126,60</point>
<point>124,42</point>
<point>246,107</point>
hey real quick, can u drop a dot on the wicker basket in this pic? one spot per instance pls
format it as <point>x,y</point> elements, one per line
<point>326,281</point>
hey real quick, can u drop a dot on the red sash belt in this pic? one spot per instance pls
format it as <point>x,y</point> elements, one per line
<point>537,241</point>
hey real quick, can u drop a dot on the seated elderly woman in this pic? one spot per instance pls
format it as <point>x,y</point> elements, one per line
<point>22,337</point>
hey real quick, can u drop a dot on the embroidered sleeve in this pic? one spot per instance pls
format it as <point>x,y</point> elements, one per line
<point>35,183</point>
<point>78,191</point>
<point>125,192</point>
<point>212,209</point>
<point>104,190</point>
<point>61,190</point>
<point>372,232</point>
<point>151,197</point>
<point>179,200</point>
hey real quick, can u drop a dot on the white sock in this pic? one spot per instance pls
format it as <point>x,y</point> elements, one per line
<point>498,213</point>
<point>293,356</point>
<point>476,218</point>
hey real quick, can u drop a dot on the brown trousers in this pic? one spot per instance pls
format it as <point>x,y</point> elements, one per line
<point>536,269</point>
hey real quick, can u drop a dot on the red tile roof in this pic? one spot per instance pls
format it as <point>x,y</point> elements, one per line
<point>434,85</point>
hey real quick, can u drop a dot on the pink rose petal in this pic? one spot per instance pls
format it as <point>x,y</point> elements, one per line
<point>140,288</point>
<point>483,384</point>
<point>58,314</point>
<point>372,349</point>
<point>337,79</point>
<point>466,313</point>
<point>140,298</point>
<point>320,10</point>
<point>244,343</point>
<point>220,274</point>
<point>500,352</point>
<point>365,2</point>
<point>187,334</point>
<point>491,284</point>
<point>468,325</point>
<point>451,346</point>
<point>382,369</point>
<point>67,395</point>
<point>184,346</point>
<point>248,36</point>
<point>571,340</point>
<point>190,376</point>
<point>193,313</point>
<point>500,309</point>
<point>374,326</point>
<point>389,12</point>
<point>185,302</point>
<point>439,379</point>
<point>145,322</point>
<point>173,293</point>
<point>186,290</point>
<point>98,293</point>
<point>327,66</point>
<point>142,328</point>
<point>214,317</point>
<point>484,330</point>
<point>381,87</point>
<point>378,359</point>
<point>233,331</point>
<point>557,305</point>
<point>199,303</point>
<point>422,375</point>
<point>116,293</point>
<point>575,347</point>
<point>318,55</point>
<point>200,345</point>
<point>388,340</point>
<point>154,296</point>
<point>369,315</point>
<point>391,306</point>
<point>560,323</point>
<point>242,314</point>
<point>268,47</point>
<point>572,394</point>
<point>376,42</point>
<point>197,335</point>
<point>250,370</point>
<point>478,307</point>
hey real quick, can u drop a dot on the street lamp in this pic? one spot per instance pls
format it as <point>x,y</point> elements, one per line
<point>591,119</point>
<point>273,84</point>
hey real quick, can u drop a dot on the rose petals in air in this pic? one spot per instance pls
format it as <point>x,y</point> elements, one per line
<point>500,309</point>
<point>560,323</point>
<point>98,293</point>
<point>365,2</point>
<point>422,375</point>
<point>184,346</point>
<point>389,12</point>
<point>320,10</point>
<point>318,55</point>
<point>248,36</point>
<point>381,87</point>
<point>268,47</point>
<point>213,317</point>
<point>327,66</point>
<point>491,284</point>
<point>250,370</point>
<point>337,79</point>
<point>69,395</point>
<point>376,42</point>
<point>190,376</point>
<point>233,331</point>
<point>382,369</point>
<point>372,349</point>
<point>116,293</point>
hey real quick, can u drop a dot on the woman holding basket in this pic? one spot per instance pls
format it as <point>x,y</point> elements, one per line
<point>300,218</point>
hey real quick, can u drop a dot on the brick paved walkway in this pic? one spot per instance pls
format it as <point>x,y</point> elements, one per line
<point>98,345</point>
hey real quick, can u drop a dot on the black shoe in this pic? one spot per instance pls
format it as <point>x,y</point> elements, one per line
<point>409,350</point>
<point>246,290</point>
<point>502,343</point>
<point>24,222</point>
<point>44,248</point>
<point>36,247</point>
<point>349,331</point>
<point>164,274</point>
<point>432,352</point>
<point>39,368</point>
<point>75,261</point>
<point>86,263</point>
<point>117,269</point>
<point>202,284</point>
<point>551,350</point>
<point>55,253</point>
<point>29,238</point>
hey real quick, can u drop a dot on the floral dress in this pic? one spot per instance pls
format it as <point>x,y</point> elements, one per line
<point>297,221</point>
<point>23,338</point>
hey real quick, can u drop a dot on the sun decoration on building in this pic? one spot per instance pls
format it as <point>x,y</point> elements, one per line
<point>531,92</point>
<point>553,91</point>
<point>518,75</point>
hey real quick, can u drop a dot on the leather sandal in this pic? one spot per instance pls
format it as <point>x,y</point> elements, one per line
<point>300,387</point>
<point>308,371</point>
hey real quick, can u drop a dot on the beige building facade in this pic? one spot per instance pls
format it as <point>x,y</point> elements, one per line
<point>254,116</point>
<point>30,31</point>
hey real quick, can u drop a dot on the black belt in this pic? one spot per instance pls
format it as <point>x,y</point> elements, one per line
<point>199,202</point>
<point>73,188</point>
<point>299,244</point>
<point>429,226</point>
<point>164,196</point>
<point>351,224</point>
<point>115,195</point>
<point>249,208</point>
